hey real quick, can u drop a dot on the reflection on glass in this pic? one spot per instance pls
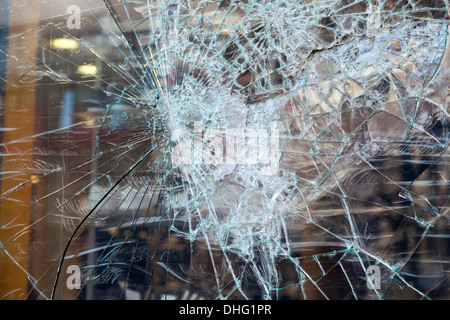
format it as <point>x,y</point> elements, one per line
<point>224,149</point>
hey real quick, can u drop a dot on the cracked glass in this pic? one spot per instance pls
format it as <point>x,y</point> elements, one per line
<point>223,149</point>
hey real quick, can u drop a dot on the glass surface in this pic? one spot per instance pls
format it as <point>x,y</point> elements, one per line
<point>222,149</point>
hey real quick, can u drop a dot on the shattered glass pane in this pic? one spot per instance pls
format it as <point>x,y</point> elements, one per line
<point>223,149</point>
